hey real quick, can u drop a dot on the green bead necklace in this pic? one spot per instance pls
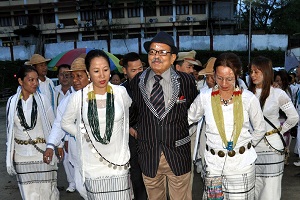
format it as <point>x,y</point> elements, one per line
<point>93,115</point>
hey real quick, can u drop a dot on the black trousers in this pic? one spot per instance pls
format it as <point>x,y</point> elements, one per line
<point>138,185</point>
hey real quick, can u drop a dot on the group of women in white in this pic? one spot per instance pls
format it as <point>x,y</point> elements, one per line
<point>244,151</point>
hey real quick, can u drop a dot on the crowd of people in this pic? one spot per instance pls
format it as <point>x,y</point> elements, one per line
<point>137,134</point>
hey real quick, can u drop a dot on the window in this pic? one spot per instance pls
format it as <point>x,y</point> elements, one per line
<point>166,8</point>
<point>199,7</point>
<point>5,20</point>
<point>118,11</point>
<point>182,8</point>
<point>86,13</point>
<point>132,10</point>
<point>48,16</point>
<point>101,13</point>
<point>68,36</point>
<point>20,18</point>
<point>150,11</point>
<point>34,17</point>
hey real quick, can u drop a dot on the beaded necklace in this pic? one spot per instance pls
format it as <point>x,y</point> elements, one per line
<point>21,115</point>
<point>238,117</point>
<point>93,115</point>
<point>94,150</point>
<point>227,101</point>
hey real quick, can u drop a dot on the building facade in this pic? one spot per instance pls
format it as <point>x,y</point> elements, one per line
<point>26,22</point>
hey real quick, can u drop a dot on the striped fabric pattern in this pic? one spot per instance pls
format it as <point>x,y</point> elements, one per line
<point>156,134</point>
<point>240,186</point>
<point>237,186</point>
<point>157,96</point>
<point>35,172</point>
<point>108,188</point>
<point>269,164</point>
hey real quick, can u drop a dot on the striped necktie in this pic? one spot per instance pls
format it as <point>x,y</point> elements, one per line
<point>157,96</point>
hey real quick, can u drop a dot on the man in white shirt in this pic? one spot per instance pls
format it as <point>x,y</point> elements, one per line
<point>46,85</point>
<point>65,83</point>
<point>61,91</point>
<point>80,79</point>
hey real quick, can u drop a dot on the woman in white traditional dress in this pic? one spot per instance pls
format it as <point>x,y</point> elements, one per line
<point>101,113</point>
<point>229,112</point>
<point>29,119</point>
<point>270,161</point>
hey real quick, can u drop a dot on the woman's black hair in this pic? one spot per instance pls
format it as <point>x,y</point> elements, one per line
<point>24,70</point>
<point>93,54</point>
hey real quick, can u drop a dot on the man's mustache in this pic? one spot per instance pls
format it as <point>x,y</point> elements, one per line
<point>156,60</point>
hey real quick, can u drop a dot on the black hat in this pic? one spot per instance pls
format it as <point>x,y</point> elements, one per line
<point>162,37</point>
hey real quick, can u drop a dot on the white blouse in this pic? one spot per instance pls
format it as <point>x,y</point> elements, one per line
<point>278,99</point>
<point>252,117</point>
<point>117,151</point>
<point>29,150</point>
<point>110,151</point>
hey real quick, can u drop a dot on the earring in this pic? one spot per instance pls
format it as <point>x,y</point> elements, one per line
<point>110,76</point>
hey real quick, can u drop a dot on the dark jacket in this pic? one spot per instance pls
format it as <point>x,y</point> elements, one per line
<point>160,134</point>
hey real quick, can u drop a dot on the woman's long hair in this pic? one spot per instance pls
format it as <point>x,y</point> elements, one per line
<point>265,66</point>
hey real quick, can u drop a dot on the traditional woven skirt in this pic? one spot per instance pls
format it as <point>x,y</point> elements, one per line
<point>269,170</point>
<point>109,188</point>
<point>36,179</point>
<point>236,185</point>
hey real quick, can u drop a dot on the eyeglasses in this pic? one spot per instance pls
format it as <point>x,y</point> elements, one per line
<point>153,52</point>
<point>228,79</point>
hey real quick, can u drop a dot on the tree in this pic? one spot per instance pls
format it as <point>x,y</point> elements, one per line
<point>286,19</point>
<point>261,13</point>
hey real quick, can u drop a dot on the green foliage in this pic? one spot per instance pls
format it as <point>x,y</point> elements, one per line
<point>271,16</point>
<point>286,19</point>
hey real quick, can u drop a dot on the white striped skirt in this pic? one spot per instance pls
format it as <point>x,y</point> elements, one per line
<point>269,171</point>
<point>236,185</point>
<point>109,188</point>
<point>36,179</point>
<point>35,172</point>
<point>268,162</point>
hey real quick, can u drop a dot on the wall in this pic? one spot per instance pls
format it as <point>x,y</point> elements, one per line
<point>123,46</point>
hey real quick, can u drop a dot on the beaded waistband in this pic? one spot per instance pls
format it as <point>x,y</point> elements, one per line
<point>273,131</point>
<point>232,153</point>
<point>30,141</point>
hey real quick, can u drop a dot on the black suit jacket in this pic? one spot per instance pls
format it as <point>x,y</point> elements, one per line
<point>160,134</point>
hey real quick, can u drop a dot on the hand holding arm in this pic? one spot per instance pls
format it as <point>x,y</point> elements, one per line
<point>48,154</point>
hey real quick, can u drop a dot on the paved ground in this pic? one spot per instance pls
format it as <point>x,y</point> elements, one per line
<point>9,189</point>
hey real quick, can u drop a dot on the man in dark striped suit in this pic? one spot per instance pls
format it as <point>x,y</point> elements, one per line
<point>162,128</point>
